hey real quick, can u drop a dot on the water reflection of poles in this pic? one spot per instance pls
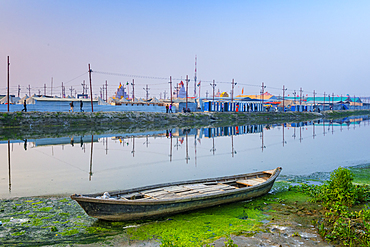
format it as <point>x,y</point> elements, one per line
<point>232,146</point>
<point>294,133</point>
<point>195,149</point>
<point>187,148</point>
<point>171,146</point>
<point>300,134</point>
<point>91,156</point>
<point>106,145</point>
<point>213,149</point>
<point>283,136</point>
<point>133,146</point>
<point>323,124</point>
<point>313,130</point>
<point>10,180</point>
<point>262,140</point>
<point>332,127</point>
<point>177,144</point>
<point>146,141</point>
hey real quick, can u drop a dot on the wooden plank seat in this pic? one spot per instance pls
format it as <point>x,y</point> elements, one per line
<point>269,171</point>
<point>187,193</point>
<point>176,189</point>
<point>185,190</point>
<point>155,194</point>
<point>251,182</point>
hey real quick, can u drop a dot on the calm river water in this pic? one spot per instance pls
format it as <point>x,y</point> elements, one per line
<point>86,164</point>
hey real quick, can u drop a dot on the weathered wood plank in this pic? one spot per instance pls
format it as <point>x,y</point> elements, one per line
<point>251,182</point>
<point>174,188</point>
<point>269,171</point>
<point>186,193</point>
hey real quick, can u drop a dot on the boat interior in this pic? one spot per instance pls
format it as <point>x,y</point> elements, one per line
<point>195,189</point>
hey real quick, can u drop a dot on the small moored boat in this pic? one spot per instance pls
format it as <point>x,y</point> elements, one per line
<point>171,198</point>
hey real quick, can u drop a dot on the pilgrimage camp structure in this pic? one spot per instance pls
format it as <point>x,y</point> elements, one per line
<point>220,102</point>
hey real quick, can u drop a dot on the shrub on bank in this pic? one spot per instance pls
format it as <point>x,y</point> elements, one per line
<point>344,222</point>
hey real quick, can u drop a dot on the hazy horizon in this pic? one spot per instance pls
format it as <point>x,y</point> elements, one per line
<point>313,45</point>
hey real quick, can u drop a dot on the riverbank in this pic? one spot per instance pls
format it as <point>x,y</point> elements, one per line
<point>20,125</point>
<point>284,217</point>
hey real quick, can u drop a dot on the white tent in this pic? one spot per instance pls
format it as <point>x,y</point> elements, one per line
<point>30,100</point>
<point>154,100</point>
<point>101,101</point>
<point>123,100</point>
<point>23,99</point>
<point>12,100</point>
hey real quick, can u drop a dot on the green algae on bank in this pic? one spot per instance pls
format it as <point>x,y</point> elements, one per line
<point>61,221</point>
<point>202,226</point>
<point>361,174</point>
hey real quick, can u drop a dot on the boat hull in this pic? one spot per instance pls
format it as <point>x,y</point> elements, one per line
<point>123,210</point>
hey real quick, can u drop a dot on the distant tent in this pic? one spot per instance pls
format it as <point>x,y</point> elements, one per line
<point>12,100</point>
<point>101,101</point>
<point>22,100</point>
<point>123,100</point>
<point>30,100</point>
<point>224,94</point>
<point>154,100</point>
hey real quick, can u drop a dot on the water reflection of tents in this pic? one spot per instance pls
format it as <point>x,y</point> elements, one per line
<point>62,140</point>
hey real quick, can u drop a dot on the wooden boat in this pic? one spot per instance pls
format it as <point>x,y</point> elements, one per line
<point>171,198</point>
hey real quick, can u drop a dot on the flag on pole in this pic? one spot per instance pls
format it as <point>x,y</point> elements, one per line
<point>198,84</point>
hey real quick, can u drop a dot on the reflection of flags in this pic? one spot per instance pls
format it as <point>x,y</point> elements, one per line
<point>126,83</point>
<point>243,91</point>
<point>198,84</point>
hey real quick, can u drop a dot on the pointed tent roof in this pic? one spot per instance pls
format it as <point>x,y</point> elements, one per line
<point>100,101</point>
<point>123,100</point>
<point>224,94</point>
<point>30,100</point>
<point>23,99</point>
<point>154,100</point>
<point>4,100</point>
